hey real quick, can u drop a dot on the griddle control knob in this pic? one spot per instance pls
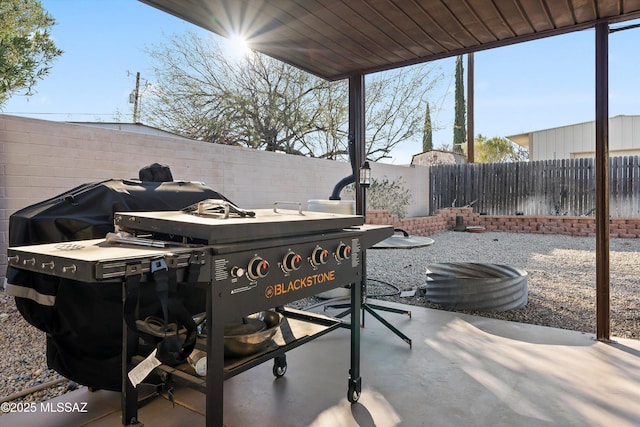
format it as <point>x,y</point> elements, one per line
<point>291,261</point>
<point>319,256</point>
<point>343,252</point>
<point>237,271</point>
<point>258,267</point>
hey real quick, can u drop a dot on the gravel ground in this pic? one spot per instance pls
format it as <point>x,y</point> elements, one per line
<point>23,361</point>
<point>561,273</point>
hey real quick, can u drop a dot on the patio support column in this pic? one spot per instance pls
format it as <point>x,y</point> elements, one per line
<point>470,108</point>
<point>358,290</point>
<point>357,131</point>
<point>602,182</point>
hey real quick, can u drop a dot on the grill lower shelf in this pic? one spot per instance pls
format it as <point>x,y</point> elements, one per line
<point>298,328</point>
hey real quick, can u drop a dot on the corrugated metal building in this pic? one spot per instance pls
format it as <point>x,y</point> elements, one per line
<point>578,140</point>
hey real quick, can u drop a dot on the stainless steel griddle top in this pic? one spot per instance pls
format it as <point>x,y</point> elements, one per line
<point>266,224</point>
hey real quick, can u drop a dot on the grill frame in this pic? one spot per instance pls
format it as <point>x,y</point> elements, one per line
<point>227,242</point>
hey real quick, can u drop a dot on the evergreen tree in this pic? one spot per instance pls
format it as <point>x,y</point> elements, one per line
<point>27,49</point>
<point>427,135</point>
<point>459,124</point>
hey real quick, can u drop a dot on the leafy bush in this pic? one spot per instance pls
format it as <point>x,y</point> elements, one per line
<point>387,195</point>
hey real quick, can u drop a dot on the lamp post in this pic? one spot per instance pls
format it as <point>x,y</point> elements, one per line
<point>365,182</point>
<point>365,175</point>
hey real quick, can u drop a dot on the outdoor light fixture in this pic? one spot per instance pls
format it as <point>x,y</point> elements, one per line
<point>365,175</point>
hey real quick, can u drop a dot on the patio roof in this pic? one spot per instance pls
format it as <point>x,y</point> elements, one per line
<point>335,39</point>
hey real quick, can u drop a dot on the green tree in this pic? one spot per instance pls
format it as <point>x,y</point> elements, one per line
<point>427,133</point>
<point>259,102</point>
<point>497,150</point>
<point>26,47</point>
<point>459,124</point>
<point>388,195</point>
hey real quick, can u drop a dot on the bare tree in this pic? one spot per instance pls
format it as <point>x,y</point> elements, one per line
<point>395,107</point>
<point>259,102</point>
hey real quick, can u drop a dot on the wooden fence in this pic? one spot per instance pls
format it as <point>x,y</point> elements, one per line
<point>546,187</point>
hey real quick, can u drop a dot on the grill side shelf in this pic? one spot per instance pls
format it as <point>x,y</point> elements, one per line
<point>52,265</point>
<point>95,261</point>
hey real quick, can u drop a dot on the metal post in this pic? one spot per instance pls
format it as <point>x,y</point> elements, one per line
<point>470,92</point>
<point>602,182</point>
<point>357,130</point>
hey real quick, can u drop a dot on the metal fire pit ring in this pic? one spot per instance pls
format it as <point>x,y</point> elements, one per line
<point>476,286</point>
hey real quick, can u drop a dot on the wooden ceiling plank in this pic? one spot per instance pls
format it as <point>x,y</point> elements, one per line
<point>561,12</point>
<point>432,33</point>
<point>389,35</point>
<point>438,21</point>
<point>322,44</point>
<point>402,28</point>
<point>513,13</point>
<point>483,32</point>
<point>607,8</point>
<point>350,28</point>
<point>584,10</point>
<point>470,31</point>
<point>629,6</point>
<point>538,14</point>
<point>492,18</point>
<point>445,13</point>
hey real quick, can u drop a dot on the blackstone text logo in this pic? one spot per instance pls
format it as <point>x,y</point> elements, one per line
<point>298,284</point>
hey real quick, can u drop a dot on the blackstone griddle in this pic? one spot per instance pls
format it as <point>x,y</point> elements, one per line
<point>246,261</point>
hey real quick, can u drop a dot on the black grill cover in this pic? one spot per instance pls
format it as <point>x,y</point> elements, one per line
<point>84,325</point>
<point>86,212</point>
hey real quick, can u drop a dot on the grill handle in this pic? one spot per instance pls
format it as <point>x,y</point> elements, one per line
<point>218,208</point>
<point>275,206</point>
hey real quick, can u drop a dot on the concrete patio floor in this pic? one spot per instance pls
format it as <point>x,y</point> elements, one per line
<point>462,371</point>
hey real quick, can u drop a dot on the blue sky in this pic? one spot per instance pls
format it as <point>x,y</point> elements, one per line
<point>529,86</point>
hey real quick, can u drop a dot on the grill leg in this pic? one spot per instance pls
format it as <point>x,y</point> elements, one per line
<point>355,382</point>
<point>215,360</point>
<point>129,395</point>
<point>129,398</point>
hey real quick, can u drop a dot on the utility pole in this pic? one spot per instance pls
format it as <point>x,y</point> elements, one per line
<point>136,95</point>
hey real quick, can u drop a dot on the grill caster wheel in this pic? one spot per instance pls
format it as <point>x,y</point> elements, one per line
<point>279,366</point>
<point>355,388</point>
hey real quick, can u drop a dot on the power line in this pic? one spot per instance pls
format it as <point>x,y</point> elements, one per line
<point>75,114</point>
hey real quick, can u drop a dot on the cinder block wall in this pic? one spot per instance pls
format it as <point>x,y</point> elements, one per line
<point>40,159</point>
<point>445,219</point>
